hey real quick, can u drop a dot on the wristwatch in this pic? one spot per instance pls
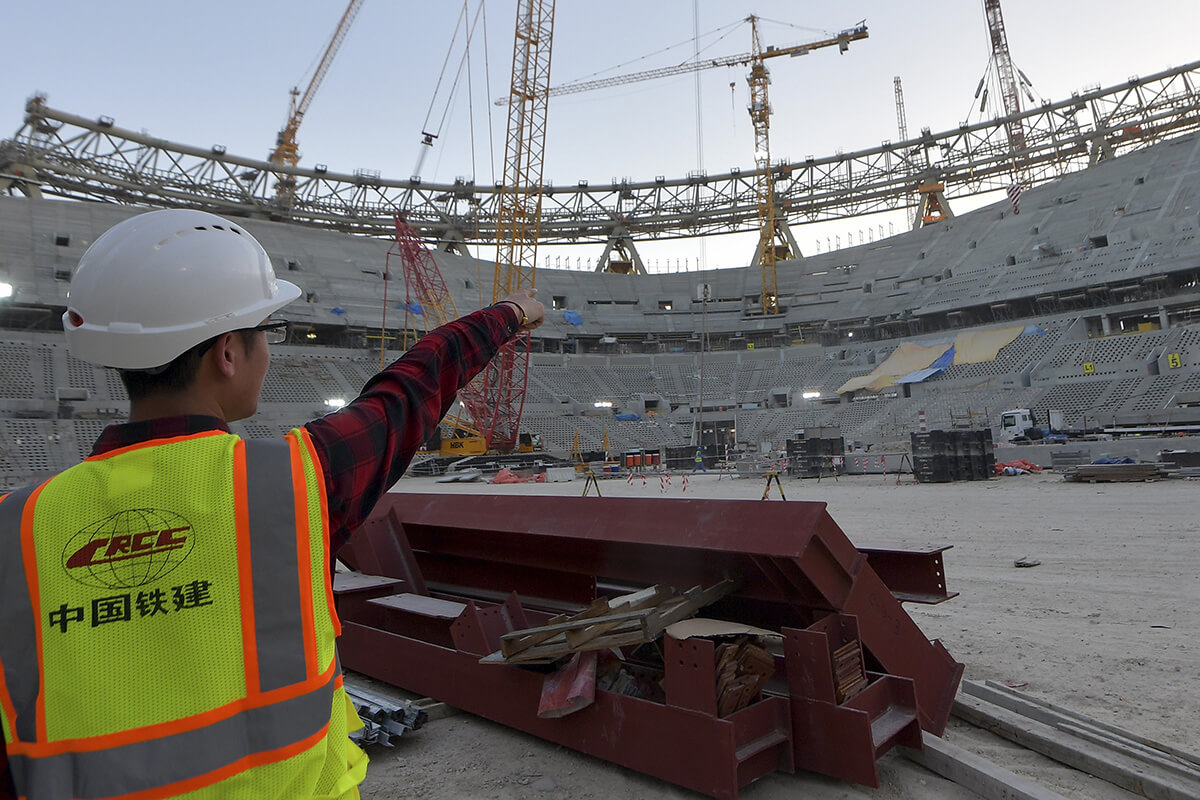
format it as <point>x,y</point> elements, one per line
<point>524,317</point>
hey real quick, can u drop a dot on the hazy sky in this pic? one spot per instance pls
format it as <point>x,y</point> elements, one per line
<point>219,72</point>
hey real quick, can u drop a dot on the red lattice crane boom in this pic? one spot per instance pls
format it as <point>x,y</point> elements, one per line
<point>424,279</point>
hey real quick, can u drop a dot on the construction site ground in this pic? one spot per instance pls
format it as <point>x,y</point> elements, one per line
<point>1106,625</point>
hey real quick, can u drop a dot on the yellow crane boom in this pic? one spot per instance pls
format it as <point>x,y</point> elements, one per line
<point>286,152</point>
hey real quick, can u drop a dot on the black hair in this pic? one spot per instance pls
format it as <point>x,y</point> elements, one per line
<point>177,375</point>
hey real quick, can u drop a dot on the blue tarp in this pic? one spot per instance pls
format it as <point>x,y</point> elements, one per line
<point>627,417</point>
<point>1125,460</point>
<point>573,318</point>
<point>1033,330</point>
<point>944,360</point>
<point>919,375</point>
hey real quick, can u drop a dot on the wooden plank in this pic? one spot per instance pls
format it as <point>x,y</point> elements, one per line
<point>613,630</point>
<point>975,773</point>
<point>1118,733</point>
<point>1115,739</point>
<point>647,598</point>
<point>516,641</point>
<point>694,600</point>
<point>1120,769</point>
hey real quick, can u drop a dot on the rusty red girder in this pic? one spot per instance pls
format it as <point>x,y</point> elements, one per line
<point>470,569</point>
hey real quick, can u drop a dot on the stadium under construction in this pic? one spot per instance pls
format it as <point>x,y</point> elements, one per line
<point>1087,301</point>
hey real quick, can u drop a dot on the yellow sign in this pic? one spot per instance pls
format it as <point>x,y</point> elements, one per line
<point>1174,361</point>
<point>749,345</point>
<point>1089,367</point>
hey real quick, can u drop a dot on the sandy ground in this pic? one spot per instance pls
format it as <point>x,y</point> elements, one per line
<point>1107,626</point>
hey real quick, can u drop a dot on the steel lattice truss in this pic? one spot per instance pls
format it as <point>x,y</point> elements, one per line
<point>66,155</point>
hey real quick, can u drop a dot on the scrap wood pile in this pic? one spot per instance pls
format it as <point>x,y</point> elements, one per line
<point>621,621</point>
<point>1094,473</point>
<point>743,668</point>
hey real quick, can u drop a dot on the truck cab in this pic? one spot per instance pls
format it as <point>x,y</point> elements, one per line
<point>1015,423</point>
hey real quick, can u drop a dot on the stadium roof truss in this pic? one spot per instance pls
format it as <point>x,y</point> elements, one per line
<point>65,155</point>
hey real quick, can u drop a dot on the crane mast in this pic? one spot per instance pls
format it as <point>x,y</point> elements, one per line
<point>519,214</point>
<point>760,116</point>
<point>772,243</point>
<point>1009,89</point>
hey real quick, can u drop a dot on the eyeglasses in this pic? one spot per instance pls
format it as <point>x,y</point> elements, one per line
<point>274,330</point>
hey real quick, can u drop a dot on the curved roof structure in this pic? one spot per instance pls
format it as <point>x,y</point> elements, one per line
<point>66,155</point>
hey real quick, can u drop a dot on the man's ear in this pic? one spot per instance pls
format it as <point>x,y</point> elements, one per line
<point>226,354</point>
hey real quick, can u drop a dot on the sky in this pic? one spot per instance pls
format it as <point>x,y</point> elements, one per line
<point>220,72</point>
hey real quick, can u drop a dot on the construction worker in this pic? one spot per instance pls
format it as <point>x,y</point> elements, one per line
<point>699,465</point>
<point>166,616</point>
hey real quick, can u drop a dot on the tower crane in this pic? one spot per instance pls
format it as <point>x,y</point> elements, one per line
<point>520,213</point>
<point>496,398</point>
<point>286,152</point>
<point>773,241</point>
<point>1011,80</point>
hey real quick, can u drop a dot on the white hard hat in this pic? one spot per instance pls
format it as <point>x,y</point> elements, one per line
<point>158,284</point>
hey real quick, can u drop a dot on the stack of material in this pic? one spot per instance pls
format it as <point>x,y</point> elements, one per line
<point>1061,459</point>
<point>382,717</point>
<point>957,455</point>
<point>848,672</point>
<point>1180,463</point>
<point>617,622</point>
<point>743,669</point>
<point>1093,473</point>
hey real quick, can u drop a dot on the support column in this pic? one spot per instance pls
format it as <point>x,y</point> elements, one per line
<point>1100,150</point>
<point>1163,320</point>
<point>452,241</point>
<point>18,178</point>
<point>628,259</point>
<point>786,246</point>
<point>932,207</point>
<point>1105,324</point>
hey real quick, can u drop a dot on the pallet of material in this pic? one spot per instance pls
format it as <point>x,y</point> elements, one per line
<point>1097,473</point>
<point>608,622</point>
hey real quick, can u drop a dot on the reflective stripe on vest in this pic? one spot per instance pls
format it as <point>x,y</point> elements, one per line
<point>166,760</point>
<point>287,706</point>
<point>18,631</point>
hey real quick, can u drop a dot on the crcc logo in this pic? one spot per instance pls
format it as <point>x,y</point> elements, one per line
<point>129,549</point>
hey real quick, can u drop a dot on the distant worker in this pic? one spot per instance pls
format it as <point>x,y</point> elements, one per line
<point>166,614</point>
<point>699,465</point>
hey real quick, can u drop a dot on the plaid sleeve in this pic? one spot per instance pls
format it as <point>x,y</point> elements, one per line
<point>365,447</point>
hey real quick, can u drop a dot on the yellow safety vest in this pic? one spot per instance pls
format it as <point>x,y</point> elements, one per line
<point>167,627</point>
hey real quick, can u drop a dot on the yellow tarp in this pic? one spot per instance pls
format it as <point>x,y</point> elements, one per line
<point>976,346</point>
<point>904,359</point>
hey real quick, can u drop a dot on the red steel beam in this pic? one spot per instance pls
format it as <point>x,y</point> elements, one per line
<point>796,567</point>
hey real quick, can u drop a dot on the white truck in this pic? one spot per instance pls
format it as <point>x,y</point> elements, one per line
<point>1018,423</point>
